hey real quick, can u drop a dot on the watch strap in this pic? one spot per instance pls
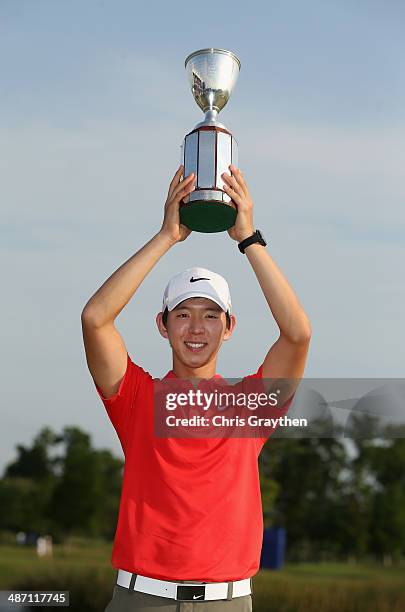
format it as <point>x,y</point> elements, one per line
<point>255,237</point>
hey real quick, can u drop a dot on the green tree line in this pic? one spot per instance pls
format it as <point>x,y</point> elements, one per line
<point>61,485</point>
<point>334,501</point>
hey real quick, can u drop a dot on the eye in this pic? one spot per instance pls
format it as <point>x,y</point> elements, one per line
<point>181,315</point>
<point>212,316</point>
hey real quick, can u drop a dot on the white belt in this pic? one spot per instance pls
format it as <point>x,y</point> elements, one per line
<point>179,591</point>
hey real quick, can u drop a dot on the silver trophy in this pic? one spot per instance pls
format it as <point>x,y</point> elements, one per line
<point>210,148</point>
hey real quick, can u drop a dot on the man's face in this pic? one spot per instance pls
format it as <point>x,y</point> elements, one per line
<point>196,329</point>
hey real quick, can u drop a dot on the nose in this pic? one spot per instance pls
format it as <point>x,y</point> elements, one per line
<point>196,325</point>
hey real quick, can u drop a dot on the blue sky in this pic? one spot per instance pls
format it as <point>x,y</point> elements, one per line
<point>94,106</point>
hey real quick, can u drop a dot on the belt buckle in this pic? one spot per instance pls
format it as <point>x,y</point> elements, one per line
<point>190,592</point>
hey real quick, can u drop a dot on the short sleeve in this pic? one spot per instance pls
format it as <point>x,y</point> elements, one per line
<point>281,410</point>
<point>123,407</point>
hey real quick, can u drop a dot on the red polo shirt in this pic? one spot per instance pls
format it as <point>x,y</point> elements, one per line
<point>190,508</point>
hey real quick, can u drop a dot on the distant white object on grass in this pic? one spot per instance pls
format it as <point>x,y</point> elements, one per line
<point>44,546</point>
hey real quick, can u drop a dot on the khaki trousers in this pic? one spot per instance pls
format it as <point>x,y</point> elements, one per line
<point>126,600</point>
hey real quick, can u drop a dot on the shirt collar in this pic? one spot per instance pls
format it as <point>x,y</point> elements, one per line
<point>171,374</point>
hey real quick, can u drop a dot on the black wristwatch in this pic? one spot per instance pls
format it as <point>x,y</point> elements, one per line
<point>256,237</point>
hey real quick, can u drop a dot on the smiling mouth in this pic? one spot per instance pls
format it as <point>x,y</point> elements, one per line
<point>196,347</point>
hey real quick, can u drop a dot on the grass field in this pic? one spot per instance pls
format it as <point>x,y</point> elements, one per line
<point>84,569</point>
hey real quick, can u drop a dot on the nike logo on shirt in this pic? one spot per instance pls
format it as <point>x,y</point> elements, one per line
<point>196,596</point>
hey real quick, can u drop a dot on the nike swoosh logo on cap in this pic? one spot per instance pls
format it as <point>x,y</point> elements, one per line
<point>194,280</point>
<point>197,596</point>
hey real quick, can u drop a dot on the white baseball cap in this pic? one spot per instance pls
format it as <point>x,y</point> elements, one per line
<point>197,282</point>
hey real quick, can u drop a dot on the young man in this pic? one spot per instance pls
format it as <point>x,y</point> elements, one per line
<point>190,521</point>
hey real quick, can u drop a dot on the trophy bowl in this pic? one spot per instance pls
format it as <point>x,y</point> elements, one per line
<point>209,148</point>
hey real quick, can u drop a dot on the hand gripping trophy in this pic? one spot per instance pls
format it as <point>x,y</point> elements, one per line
<point>210,148</point>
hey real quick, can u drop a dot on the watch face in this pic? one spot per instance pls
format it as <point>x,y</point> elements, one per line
<point>261,237</point>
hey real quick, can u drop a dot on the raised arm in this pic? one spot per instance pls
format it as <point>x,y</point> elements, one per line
<point>287,356</point>
<point>106,353</point>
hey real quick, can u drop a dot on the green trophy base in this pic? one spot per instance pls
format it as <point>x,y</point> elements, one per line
<point>207,217</point>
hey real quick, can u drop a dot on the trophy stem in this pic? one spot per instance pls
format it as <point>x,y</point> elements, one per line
<point>211,115</point>
<point>210,119</point>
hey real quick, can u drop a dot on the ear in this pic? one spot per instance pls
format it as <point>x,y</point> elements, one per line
<point>160,325</point>
<point>229,332</point>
